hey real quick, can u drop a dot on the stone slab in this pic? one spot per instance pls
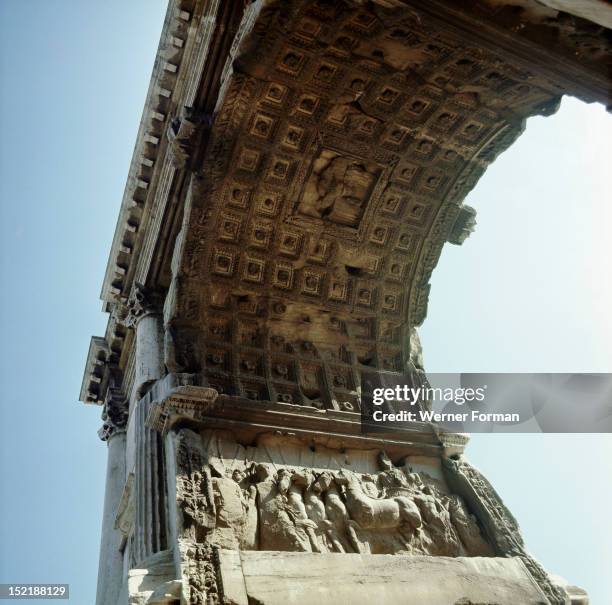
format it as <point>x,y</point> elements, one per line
<point>287,578</point>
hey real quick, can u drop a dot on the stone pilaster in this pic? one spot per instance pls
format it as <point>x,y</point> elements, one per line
<point>150,508</point>
<point>296,234</point>
<point>145,452</point>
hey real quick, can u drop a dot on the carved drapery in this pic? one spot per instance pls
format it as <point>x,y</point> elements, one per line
<point>228,497</point>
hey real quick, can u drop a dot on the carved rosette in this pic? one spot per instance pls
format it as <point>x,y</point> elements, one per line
<point>332,177</point>
<point>346,137</point>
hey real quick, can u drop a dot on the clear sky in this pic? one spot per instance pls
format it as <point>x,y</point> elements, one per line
<point>529,291</point>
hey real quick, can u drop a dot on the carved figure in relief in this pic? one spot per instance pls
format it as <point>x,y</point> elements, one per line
<point>338,188</point>
<point>283,519</point>
<point>372,513</point>
<point>315,509</point>
<point>297,482</point>
<point>237,516</point>
<point>392,480</point>
<point>342,526</point>
<point>395,510</point>
<point>413,479</point>
<point>439,536</point>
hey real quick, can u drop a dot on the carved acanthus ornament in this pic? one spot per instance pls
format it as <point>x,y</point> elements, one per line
<point>464,225</point>
<point>319,163</point>
<point>185,132</point>
<point>142,302</point>
<point>114,414</point>
<point>335,170</point>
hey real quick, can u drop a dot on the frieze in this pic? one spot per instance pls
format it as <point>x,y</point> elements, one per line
<point>248,500</point>
<point>317,172</point>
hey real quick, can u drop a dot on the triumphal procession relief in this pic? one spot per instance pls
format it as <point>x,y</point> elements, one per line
<point>299,166</point>
<point>261,503</point>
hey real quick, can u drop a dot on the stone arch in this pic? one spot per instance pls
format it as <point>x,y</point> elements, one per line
<point>335,170</point>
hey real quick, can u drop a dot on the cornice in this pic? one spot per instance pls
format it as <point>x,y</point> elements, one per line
<point>185,43</point>
<point>191,69</point>
<point>177,400</point>
<point>572,52</point>
<point>143,176</point>
<point>94,371</point>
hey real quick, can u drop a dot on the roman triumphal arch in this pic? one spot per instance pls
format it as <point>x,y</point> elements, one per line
<point>298,168</point>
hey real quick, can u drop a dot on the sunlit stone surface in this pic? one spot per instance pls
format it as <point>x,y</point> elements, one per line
<point>298,168</point>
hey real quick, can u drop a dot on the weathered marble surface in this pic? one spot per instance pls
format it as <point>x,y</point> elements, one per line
<point>282,495</point>
<point>299,166</point>
<point>111,559</point>
<point>272,578</point>
<point>153,582</point>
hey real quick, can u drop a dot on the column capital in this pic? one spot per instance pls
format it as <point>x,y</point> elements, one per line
<point>114,414</point>
<point>142,302</point>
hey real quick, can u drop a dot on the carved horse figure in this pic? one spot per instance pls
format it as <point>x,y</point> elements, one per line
<point>375,513</point>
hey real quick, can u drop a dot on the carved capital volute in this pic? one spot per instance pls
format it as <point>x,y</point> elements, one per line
<point>114,414</point>
<point>142,302</point>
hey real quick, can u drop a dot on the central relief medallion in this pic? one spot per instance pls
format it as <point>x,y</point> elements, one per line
<point>338,188</point>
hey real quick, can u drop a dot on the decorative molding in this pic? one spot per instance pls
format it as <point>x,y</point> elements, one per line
<point>159,103</point>
<point>178,401</point>
<point>148,197</point>
<point>184,133</point>
<point>97,357</point>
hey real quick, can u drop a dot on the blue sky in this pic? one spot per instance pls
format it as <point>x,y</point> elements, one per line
<point>529,291</point>
<point>74,76</point>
